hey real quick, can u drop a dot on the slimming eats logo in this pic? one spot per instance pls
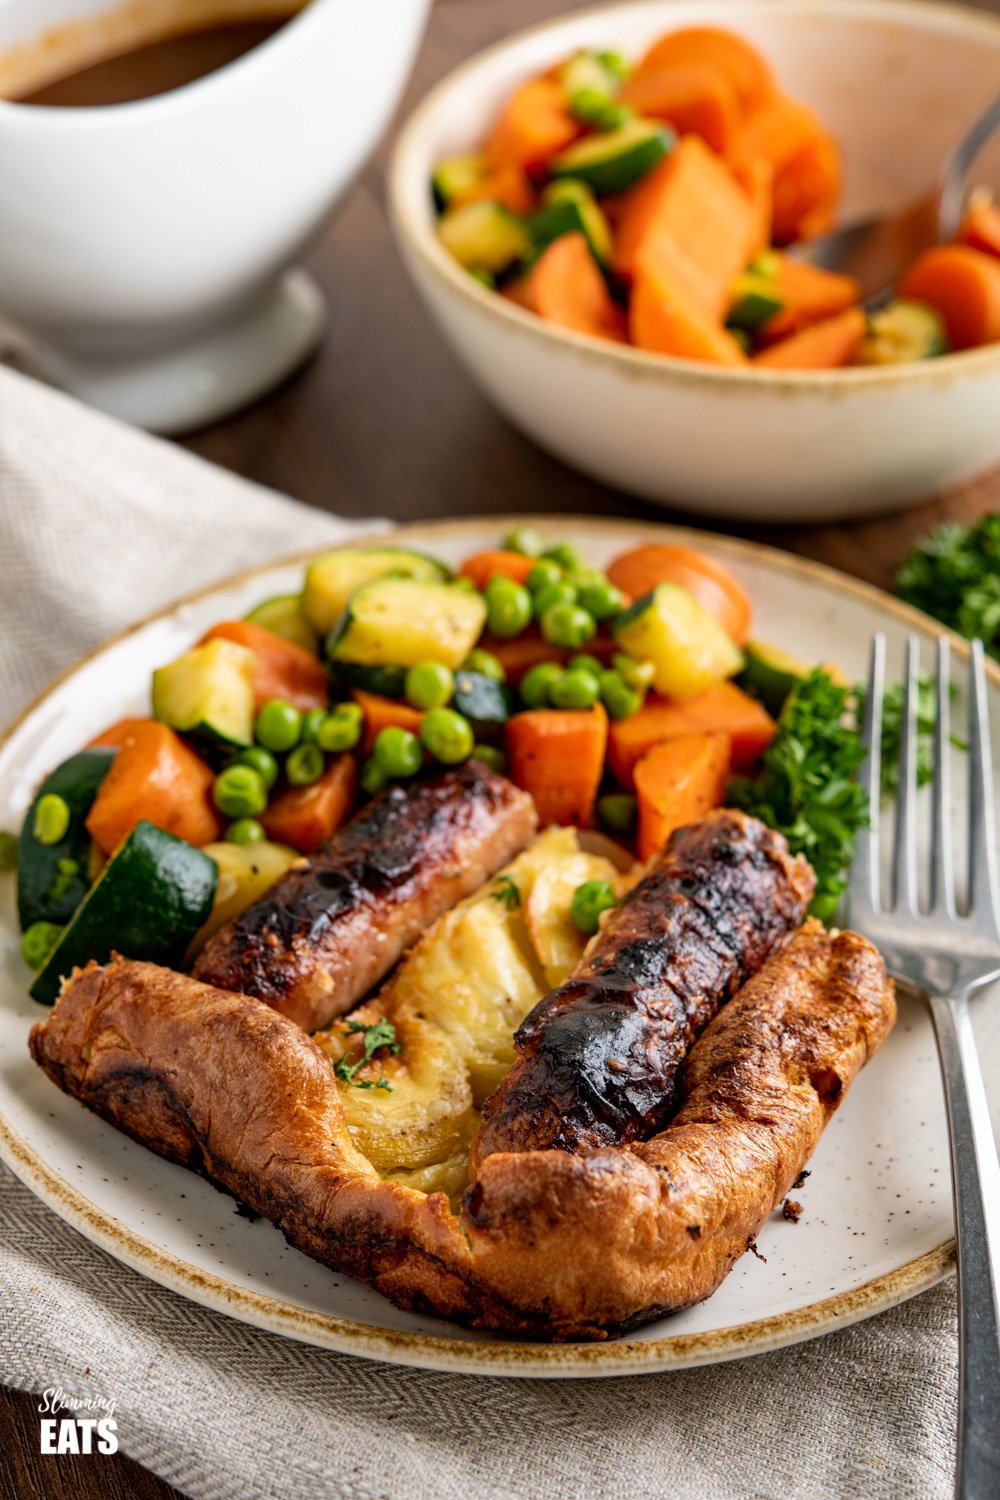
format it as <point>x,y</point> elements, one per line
<point>95,1431</point>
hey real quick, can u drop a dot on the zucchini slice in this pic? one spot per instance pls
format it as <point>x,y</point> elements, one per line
<point>688,647</point>
<point>902,332</point>
<point>485,236</point>
<point>285,616</point>
<point>771,674</point>
<point>585,72</point>
<point>612,162</point>
<point>246,872</point>
<point>402,621</point>
<point>332,578</point>
<point>52,879</point>
<point>387,682</point>
<point>454,177</point>
<point>208,692</point>
<point>569,207</point>
<point>755,300</point>
<point>148,902</point>
<point>486,703</point>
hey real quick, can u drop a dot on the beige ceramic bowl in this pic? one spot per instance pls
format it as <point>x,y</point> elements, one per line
<point>896,82</point>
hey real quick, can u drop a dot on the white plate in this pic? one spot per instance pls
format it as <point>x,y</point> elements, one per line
<point>877,1223</point>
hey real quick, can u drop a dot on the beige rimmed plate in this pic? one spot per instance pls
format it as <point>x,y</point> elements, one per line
<point>876,1225</point>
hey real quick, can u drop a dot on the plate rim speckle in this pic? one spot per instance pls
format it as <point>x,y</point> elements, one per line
<point>489,1355</point>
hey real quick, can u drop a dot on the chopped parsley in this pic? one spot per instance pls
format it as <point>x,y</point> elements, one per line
<point>954,575</point>
<point>506,892</point>
<point>381,1036</point>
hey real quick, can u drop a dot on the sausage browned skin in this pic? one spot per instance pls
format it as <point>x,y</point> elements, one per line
<point>333,926</point>
<point>600,1056</point>
<point>549,1243</point>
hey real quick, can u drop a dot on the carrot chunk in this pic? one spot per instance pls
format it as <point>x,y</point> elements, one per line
<point>155,776</point>
<point>536,123</point>
<point>806,190</point>
<point>695,98</point>
<point>756,178</point>
<point>565,287</point>
<point>809,294</point>
<point>306,816</point>
<point>558,757</point>
<point>381,713</point>
<point>709,46</point>
<point>826,345</point>
<point>980,229</point>
<point>964,286</point>
<point>283,670</point>
<point>496,563</point>
<point>678,782</point>
<point>722,709</point>
<point>507,184</point>
<point>666,320</point>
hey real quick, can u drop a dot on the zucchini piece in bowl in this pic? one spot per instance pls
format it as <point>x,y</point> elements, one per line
<point>688,647</point>
<point>613,161</point>
<point>902,332</point>
<point>208,692</point>
<point>148,902</point>
<point>454,177</point>
<point>332,578</point>
<point>403,621</point>
<point>484,236</point>
<point>52,878</point>
<point>569,207</point>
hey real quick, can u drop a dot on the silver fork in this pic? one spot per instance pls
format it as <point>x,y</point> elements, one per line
<point>948,956</point>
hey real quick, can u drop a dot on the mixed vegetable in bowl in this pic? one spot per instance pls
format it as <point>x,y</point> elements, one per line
<point>654,202</point>
<point>628,701</point>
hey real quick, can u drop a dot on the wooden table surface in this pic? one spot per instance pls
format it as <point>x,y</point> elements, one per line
<point>385,422</point>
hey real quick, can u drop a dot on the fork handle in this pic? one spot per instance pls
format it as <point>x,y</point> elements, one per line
<point>976,1183</point>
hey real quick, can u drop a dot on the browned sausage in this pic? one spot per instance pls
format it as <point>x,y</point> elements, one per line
<point>335,924</point>
<point>600,1056</point>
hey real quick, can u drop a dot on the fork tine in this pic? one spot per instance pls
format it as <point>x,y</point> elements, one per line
<point>904,847</point>
<point>982,828</point>
<point>865,884</point>
<point>942,892</point>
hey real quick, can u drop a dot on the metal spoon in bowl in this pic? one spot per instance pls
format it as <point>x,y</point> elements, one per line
<point>877,251</point>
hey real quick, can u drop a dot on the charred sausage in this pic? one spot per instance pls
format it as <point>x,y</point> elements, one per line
<point>600,1056</point>
<point>335,924</point>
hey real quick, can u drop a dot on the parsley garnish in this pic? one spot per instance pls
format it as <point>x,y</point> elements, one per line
<point>506,892</point>
<point>381,1035</point>
<point>807,788</point>
<point>954,575</point>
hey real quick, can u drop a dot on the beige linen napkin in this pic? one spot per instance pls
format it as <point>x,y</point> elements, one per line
<point>99,525</point>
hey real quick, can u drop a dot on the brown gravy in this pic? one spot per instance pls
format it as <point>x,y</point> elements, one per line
<point>123,55</point>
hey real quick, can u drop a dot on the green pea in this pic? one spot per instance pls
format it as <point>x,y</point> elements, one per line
<point>8,851</point>
<point>447,735</point>
<point>372,778</point>
<point>574,690</point>
<point>524,539</point>
<point>585,663</point>
<point>589,900</point>
<point>311,720</point>
<point>429,684</point>
<point>278,726</point>
<point>537,682</point>
<point>618,66</point>
<point>262,761</point>
<point>38,942</point>
<point>638,674</point>
<point>565,554</point>
<point>508,606</point>
<point>465,584</point>
<point>304,765</point>
<point>398,751</point>
<point>563,592</point>
<point>341,729</point>
<point>618,813</point>
<point>618,698</point>
<point>543,575</point>
<point>51,822</point>
<point>246,831</point>
<point>568,625</point>
<point>239,792</point>
<point>485,663</point>
<point>601,599</point>
<point>491,756</point>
